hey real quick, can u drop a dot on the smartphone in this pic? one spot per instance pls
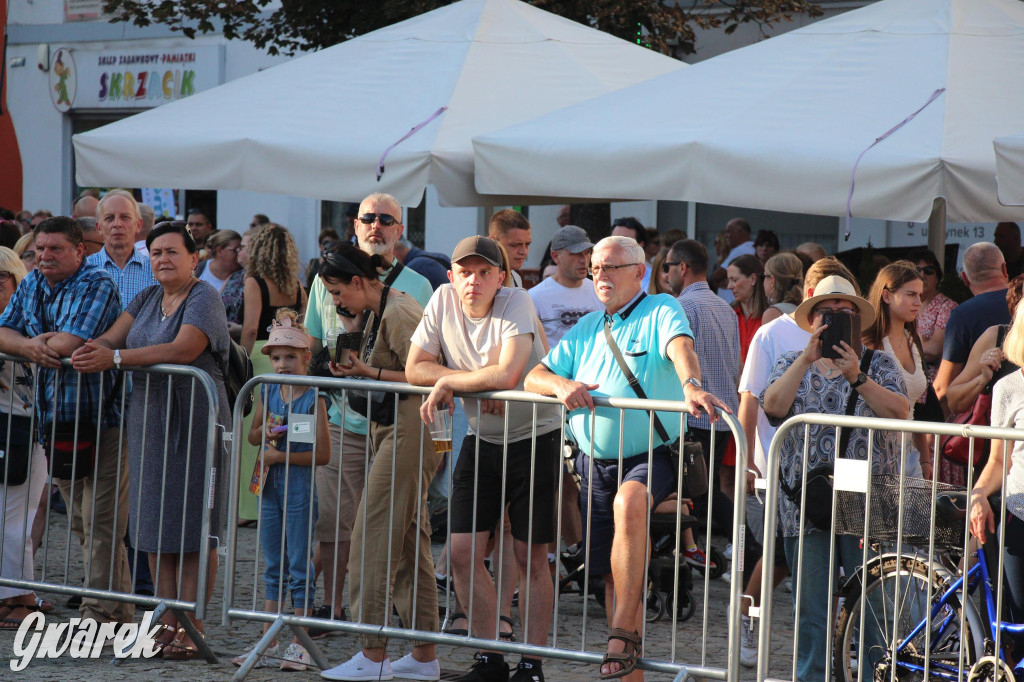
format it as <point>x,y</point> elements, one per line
<point>842,326</point>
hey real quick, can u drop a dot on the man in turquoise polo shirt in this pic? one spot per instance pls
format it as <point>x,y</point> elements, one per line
<point>654,338</point>
<point>378,229</point>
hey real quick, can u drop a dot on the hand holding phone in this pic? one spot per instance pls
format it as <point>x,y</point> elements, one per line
<point>842,326</point>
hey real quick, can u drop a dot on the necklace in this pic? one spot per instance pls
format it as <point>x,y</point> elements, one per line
<point>829,371</point>
<point>167,308</point>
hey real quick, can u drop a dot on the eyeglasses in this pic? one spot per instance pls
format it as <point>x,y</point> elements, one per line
<point>596,270</point>
<point>28,255</point>
<point>819,311</point>
<point>928,270</point>
<point>4,276</point>
<point>385,219</point>
<point>665,267</point>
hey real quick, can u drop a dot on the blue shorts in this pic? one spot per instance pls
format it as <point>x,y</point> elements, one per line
<point>605,485</point>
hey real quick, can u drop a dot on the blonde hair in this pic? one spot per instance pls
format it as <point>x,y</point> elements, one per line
<point>11,262</point>
<point>21,246</point>
<point>293,315</point>
<point>788,272</point>
<point>828,266</point>
<point>221,238</point>
<point>273,256</point>
<point>1013,342</point>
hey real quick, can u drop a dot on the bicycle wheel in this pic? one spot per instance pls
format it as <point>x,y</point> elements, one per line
<point>897,603</point>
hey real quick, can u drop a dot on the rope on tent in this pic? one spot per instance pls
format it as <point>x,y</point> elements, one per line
<point>908,119</point>
<point>415,129</point>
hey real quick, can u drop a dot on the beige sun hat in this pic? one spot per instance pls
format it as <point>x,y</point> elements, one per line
<point>833,287</point>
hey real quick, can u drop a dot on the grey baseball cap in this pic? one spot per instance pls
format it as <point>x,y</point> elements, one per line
<point>571,238</point>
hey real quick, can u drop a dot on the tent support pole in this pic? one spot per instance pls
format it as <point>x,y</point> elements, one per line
<point>691,219</point>
<point>937,229</point>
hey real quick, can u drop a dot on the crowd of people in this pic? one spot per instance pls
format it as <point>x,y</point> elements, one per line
<point>640,313</point>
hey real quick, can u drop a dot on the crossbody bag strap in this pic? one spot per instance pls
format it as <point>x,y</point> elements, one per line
<point>851,404</point>
<point>634,383</point>
<point>396,270</point>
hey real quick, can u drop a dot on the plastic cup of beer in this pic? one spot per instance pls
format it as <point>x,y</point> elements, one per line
<point>441,430</point>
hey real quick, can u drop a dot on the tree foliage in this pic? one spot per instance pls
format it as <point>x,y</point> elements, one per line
<point>302,25</point>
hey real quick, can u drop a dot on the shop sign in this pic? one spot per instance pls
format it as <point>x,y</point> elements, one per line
<point>130,79</point>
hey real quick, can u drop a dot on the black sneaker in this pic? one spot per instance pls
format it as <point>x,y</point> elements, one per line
<point>488,668</point>
<point>527,671</point>
<point>324,611</point>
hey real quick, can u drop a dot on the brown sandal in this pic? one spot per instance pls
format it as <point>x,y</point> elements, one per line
<point>627,657</point>
<point>178,650</point>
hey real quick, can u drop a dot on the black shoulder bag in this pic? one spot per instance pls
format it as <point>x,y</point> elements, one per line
<point>695,467</point>
<point>377,406</point>
<point>819,479</point>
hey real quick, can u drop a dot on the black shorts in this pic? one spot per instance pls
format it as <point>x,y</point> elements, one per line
<point>522,478</point>
<point>605,485</point>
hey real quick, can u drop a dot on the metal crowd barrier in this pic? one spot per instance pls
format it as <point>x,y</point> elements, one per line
<point>906,612</point>
<point>241,576</point>
<point>57,573</point>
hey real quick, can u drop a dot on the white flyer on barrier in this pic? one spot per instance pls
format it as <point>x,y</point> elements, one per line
<point>851,475</point>
<point>300,428</point>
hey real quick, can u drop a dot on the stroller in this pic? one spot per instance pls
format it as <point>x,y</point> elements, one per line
<point>662,582</point>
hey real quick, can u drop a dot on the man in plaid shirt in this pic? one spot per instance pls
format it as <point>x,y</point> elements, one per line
<point>56,308</point>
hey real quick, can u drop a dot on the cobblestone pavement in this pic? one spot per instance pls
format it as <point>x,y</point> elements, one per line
<point>230,640</point>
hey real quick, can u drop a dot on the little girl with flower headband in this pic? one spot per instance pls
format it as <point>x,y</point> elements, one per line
<point>293,430</point>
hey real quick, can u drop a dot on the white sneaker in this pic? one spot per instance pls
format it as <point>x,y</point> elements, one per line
<point>264,661</point>
<point>296,658</point>
<point>358,668</point>
<point>748,642</point>
<point>408,668</point>
<point>728,552</point>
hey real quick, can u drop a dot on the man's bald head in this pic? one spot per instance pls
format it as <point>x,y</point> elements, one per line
<point>85,207</point>
<point>812,250</point>
<point>984,268</point>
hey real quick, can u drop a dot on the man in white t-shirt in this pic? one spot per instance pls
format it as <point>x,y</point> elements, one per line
<point>477,335</point>
<point>737,231</point>
<point>564,298</point>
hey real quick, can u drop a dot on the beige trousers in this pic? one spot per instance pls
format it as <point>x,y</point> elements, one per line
<point>100,533</point>
<point>393,523</point>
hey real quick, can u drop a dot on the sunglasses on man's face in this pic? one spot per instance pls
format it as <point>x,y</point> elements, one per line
<point>928,270</point>
<point>385,219</point>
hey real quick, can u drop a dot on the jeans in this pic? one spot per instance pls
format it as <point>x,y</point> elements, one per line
<point>814,631</point>
<point>293,517</point>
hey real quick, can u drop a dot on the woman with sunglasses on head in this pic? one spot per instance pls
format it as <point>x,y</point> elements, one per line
<point>180,320</point>
<point>390,561</point>
<point>935,310</point>
<point>659,275</point>
<point>745,282</point>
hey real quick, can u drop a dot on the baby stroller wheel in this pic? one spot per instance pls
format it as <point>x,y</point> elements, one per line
<point>687,606</point>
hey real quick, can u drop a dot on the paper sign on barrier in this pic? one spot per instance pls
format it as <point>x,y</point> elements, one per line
<point>300,428</point>
<point>851,475</point>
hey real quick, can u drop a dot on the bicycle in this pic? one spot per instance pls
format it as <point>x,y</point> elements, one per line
<point>950,638</point>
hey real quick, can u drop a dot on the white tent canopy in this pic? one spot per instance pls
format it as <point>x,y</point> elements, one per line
<point>1010,169</point>
<point>780,124</point>
<point>318,125</point>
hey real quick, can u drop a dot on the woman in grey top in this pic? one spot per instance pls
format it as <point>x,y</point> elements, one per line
<point>180,320</point>
<point>1007,411</point>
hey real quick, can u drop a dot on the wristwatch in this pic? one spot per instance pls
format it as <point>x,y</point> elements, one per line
<point>694,382</point>
<point>117,359</point>
<point>862,379</point>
